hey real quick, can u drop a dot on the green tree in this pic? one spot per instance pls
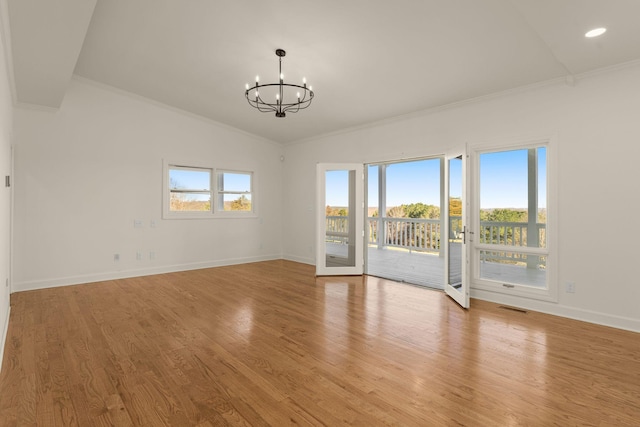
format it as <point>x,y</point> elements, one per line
<point>420,210</point>
<point>329,211</point>
<point>241,204</point>
<point>396,212</point>
<point>455,206</point>
<point>507,215</point>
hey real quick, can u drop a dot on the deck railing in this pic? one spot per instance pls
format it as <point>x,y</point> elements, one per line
<point>512,234</point>
<point>337,229</point>
<point>516,234</point>
<point>419,234</point>
<point>416,234</point>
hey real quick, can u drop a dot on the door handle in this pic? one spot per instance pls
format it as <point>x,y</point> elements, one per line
<point>464,234</point>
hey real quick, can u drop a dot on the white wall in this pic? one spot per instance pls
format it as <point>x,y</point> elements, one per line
<point>84,173</point>
<point>6,125</point>
<point>596,125</point>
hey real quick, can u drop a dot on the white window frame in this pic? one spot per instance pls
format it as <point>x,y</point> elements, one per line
<point>550,292</point>
<point>214,212</point>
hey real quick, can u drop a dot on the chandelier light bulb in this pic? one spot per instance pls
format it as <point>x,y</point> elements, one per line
<point>304,80</point>
<point>247,86</point>
<point>257,79</point>
<point>298,95</point>
<point>281,76</point>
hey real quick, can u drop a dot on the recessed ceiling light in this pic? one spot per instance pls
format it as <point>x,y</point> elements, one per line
<point>595,32</point>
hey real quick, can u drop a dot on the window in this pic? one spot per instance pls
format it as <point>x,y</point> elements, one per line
<point>204,192</point>
<point>189,189</point>
<point>234,191</point>
<point>511,244</point>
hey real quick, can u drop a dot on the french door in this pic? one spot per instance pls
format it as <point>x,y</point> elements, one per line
<point>457,233</point>
<point>340,219</point>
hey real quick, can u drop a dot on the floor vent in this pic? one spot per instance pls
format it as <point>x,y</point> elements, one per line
<point>519,310</point>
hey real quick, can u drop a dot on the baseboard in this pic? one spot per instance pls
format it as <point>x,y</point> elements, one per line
<point>123,274</point>
<point>589,316</point>
<point>5,334</point>
<point>302,260</point>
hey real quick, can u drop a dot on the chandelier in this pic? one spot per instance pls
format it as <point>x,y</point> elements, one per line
<point>301,94</point>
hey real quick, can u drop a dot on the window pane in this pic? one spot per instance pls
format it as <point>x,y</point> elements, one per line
<point>235,202</point>
<point>512,267</point>
<point>189,202</point>
<point>513,198</point>
<point>239,182</point>
<point>189,179</point>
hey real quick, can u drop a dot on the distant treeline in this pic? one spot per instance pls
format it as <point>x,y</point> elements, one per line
<point>422,210</point>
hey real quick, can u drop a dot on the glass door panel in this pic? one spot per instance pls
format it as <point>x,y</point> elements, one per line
<point>339,248</point>
<point>456,285</point>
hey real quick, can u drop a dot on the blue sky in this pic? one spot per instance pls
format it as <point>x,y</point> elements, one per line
<point>193,179</point>
<point>408,182</point>
<point>503,177</point>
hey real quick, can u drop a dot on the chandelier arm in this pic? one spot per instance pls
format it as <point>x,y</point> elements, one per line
<point>298,107</point>
<point>302,104</point>
<point>259,104</point>
<point>263,107</point>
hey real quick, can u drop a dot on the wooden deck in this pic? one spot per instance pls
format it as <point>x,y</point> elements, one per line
<point>427,269</point>
<point>418,268</point>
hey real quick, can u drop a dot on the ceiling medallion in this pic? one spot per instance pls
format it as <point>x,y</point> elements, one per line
<point>303,94</point>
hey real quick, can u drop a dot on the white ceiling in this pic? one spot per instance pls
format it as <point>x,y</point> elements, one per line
<point>367,60</point>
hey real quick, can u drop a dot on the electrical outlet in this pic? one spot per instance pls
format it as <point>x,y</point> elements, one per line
<point>570,287</point>
<point>137,223</point>
<point>152,255</point>
<point>116,257</point>
<point>139,256</point>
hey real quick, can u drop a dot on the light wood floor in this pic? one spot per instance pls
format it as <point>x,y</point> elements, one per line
<point>269,344</point>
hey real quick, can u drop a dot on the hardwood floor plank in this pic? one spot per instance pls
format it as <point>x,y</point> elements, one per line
<point>269,344</point>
